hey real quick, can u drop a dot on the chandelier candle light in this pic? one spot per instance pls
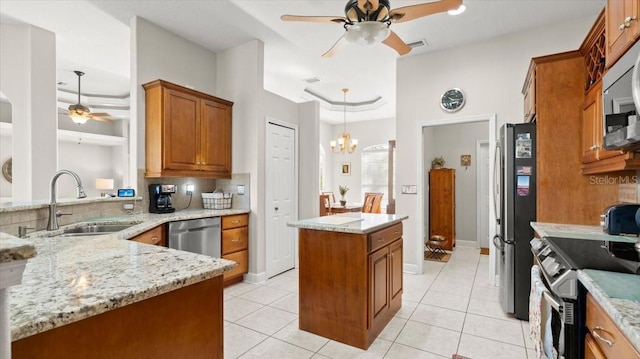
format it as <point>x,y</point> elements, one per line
<point>344,143</point>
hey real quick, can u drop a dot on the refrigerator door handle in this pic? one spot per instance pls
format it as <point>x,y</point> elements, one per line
<point>497,244</point>
<point>497,172</point>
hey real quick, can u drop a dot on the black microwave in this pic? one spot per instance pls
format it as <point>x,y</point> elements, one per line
<point>620,98</point>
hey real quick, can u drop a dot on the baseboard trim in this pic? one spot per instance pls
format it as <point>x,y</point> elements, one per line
<point>255,278</point>
<point>410,268</point>
<point>463,243</point>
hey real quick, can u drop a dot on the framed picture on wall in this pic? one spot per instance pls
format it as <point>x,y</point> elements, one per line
<point>346,168</point>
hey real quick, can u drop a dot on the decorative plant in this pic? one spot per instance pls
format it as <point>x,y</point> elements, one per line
<point>343,191</point>
<point>438,162</point>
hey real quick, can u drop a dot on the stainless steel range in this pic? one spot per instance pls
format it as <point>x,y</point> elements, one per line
<point>559,259</point>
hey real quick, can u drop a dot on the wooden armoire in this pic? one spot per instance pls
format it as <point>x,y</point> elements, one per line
<point>442,205</point>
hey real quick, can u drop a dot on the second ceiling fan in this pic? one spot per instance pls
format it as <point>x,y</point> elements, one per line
<point>80,113</point>
<point>367,21</point>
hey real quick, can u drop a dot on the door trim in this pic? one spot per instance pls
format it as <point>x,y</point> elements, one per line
<point>420,180</point>
<point>294,209</point>
<point>479,145</point>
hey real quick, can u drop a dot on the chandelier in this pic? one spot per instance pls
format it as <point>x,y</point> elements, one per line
<point>344,143</point>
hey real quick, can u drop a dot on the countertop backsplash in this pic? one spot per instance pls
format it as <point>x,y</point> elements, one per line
<point>37,218</point>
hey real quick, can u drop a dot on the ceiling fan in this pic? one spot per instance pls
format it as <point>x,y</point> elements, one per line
<point>367,22</point>
<point>80,113</point>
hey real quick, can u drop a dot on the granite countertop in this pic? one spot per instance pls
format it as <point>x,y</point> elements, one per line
<point>73,278</point>
<point>619,296</point>
<point>576,231</point>
<point>15,249</point>
<point>360,223</point>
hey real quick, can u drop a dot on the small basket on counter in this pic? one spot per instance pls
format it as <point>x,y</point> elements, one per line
<point>216,200</point>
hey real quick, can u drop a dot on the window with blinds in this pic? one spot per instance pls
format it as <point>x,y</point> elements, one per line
<point>375,171</point>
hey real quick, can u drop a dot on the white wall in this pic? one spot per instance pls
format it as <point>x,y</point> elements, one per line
<point>28,80</point>
<point>160,54</point>
<point>491,74</point>
<point>368,133</point>
<point>450,142</point>
<point>97,162</point>
<point>326,135</point>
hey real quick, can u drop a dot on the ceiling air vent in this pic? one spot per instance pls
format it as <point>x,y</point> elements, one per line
<point>419,43</point>
<point>311,80</point>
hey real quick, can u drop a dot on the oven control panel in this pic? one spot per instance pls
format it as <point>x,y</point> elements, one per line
<point>557,272</point>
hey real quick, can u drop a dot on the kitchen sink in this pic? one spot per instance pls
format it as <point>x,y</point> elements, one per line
<point>94,229</point>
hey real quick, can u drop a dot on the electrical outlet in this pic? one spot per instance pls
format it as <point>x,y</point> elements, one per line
<point>190,188</point>
<point>127,206</point>
<point>240,189</point>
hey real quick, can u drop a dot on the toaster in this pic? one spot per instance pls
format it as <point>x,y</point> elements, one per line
<point>620,219</point>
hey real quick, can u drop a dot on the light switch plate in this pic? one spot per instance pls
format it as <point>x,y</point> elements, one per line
<point>409,189</point>
<point>240,189</point>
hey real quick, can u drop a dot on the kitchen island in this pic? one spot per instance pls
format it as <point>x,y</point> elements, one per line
<point>350,275</point>
<point>102,296</point>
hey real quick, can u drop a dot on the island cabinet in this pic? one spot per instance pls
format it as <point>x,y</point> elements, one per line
<point>235,246</point>
<point>155,236</point>
<point>622,27</point>
<point>350,284</point>
<point>604,339</point>
<point>188,133</point>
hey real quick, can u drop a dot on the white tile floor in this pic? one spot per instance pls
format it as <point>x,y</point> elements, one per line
<point>449,309</point>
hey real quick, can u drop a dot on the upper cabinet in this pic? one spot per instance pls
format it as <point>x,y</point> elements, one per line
<point>622,27</point>
<point>595,158</point>
<point>188,133</point>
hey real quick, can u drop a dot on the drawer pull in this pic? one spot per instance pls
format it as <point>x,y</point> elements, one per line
<point>381,240</point>
<point>235,240</point>
<point>597,336</point>
<point>236,221</point>
<point>396,232</point>
<point>155,239</point>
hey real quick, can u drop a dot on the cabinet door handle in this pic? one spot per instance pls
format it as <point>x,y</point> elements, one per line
<point>155,240</point>
<point>622,27</point>
<point>594,147</point>
<point>628,19</point>
<point>597,336</point>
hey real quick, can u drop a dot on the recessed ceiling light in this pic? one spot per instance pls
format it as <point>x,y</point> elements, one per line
<point>457,11</point>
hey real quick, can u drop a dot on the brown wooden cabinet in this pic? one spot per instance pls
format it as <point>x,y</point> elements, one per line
<point>622,28</point>
<point>235,246</point>
<point>560,99</point>
<point>155,236</point>
<point>442,205</point>
<point>350,284</point>
<point>605,340</point>
<point>529,91</point>
<point>188,133</point>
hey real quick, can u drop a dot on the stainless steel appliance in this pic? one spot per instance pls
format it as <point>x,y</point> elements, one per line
<point>196,235</point>
<point>620,98</point>
<point>515,203</point>
<point>160,198</point>
<point>558,260</point>
<point>620,219</point>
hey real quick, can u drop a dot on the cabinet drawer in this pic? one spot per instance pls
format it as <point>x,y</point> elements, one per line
<point>239,220</point>
<point>383,237</point>
<point>153,236</point>
<point>242,260</point>
<point>604,330</point>
<point>234,240</point>
<point>591,348</point>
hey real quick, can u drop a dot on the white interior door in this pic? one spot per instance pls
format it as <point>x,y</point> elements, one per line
<point>280,198</point>
<point>482,153</point>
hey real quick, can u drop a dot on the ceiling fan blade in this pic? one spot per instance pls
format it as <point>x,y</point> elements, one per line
<point>101,119</point>
<point>396,43</point>
<point>101,114</point>
<point>412,12</point>
<point>336,47</point>
<point>336,19</point>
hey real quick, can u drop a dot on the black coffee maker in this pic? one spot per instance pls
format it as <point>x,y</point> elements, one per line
<point>160,198</point>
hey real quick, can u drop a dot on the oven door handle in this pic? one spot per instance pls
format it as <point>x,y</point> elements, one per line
<point>553,302</point>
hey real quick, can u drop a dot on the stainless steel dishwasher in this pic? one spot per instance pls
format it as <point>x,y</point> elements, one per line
<point>196,235</point>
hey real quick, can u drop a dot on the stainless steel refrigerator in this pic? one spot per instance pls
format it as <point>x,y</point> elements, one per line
<point>515,205</point>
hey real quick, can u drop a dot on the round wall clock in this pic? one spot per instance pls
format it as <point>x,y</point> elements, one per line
<point>452,100</point>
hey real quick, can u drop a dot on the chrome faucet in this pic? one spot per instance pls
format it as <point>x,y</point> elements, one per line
<point>53,214</point>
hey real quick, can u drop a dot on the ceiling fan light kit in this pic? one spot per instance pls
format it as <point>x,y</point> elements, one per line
<point>366,22</point>
<point>80,113</point>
